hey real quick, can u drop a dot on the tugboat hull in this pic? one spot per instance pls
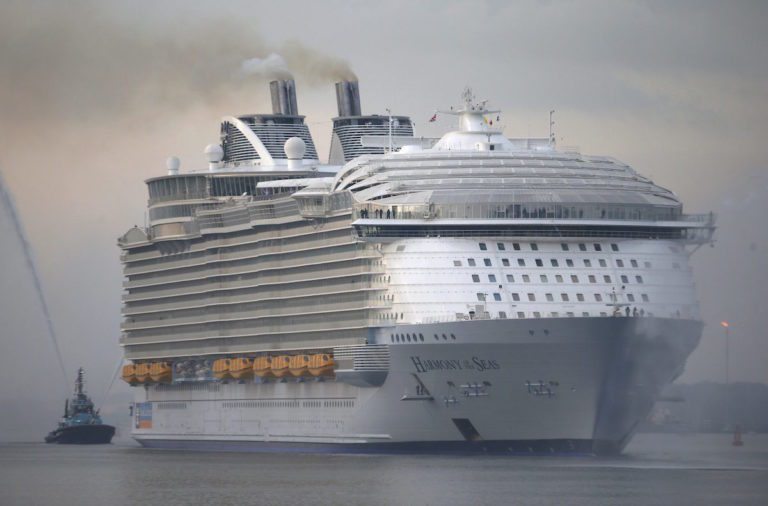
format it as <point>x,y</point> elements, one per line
<point>96,434</point>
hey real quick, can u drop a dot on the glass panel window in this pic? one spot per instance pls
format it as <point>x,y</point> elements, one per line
<point>521,262</point>
<point>624,279</point>
<point>516,297</point>
<point>492,278</point>
<point>602,263</point>
<point>559,278</point>
<point>500,246</point>
<point>539,263</point>
<point>510,278</point>
<point>503,315</point>
<point>457,263</point>
<point>483,247</point>
<point>487,262</point>
<point>550,297</point>
<point>598,297</point>
<point>476,278</point>
<point>639,279</point>
<point>534,246</point>
<point>647,265</point>
<point>580,297</point>
<point>630,297</point>
<point>598,247</point>
<point>520,314</point>
<point>564,296</point>
<point>633,263</point>
<point>505,262</point>
<point>555,314</point>
<point>574,278</point>
<point>496,297</point>
<point>585,314</point>
<point>564,246</point>
<point>516,246</point>
<point>526,278</point>
<point>587,263</point>
<point>607,279</point>
<point>645,297</point>
<point>592,278</point>
<point>531,297</point>
<point>536,314</point>
<point>554,262</point>
<point>615,247</point>
<point>480,296</point>
<point>582,247</point>
<point>543,278</point>
<point>471,262</point>
<point>619,263</point>
<point>569,262</point>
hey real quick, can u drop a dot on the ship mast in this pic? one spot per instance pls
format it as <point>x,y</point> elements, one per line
<point>79,382</point>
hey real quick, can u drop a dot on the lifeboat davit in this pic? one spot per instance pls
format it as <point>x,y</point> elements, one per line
<point>142,372</point>
<point>129,374</point>
<point>298,365</point>
<point>241,368</point>
<point>262,366</point>
<point>280,365</point>
<point>321,364</point>
<point>221,369</point>
<point>160,372</point>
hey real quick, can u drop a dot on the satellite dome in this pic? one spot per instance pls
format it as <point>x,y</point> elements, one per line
<point>295,148</point>
<point>214,153</point>
<point>172,164</point>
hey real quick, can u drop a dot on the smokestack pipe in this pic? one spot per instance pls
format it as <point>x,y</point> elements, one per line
<point>284,97</point>
<point>348,98</point>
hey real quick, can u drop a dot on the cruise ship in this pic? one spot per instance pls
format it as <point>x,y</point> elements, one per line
<point>468,293</point>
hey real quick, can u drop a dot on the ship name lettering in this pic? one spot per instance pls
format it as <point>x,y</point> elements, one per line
<point>477,364</point>
<point>483,365</point>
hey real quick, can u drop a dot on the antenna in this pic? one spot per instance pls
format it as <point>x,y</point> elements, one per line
<point>552,128</point>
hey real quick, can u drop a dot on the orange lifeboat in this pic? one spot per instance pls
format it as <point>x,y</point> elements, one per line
<point>280,365</point>
<point>221,369</point>
<point>262,366</point>
<point>298,364</point>
<point>142,372</point>
<point>321,364</point>
<point>241,368</point>
<point>129,374</point>
<point>160,372</point>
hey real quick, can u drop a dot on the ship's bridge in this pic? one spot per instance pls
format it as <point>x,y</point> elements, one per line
<point>475,173</point>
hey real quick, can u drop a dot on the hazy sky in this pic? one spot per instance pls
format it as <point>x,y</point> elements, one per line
<point>95,95</point>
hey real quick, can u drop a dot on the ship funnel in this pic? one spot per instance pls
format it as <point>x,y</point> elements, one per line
<point>348,98</point>
<point>284,97</point>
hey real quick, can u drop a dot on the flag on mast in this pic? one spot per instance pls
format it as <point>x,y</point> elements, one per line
<point>433,118</point>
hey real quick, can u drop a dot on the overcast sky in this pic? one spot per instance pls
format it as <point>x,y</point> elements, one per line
<point>95,95</point>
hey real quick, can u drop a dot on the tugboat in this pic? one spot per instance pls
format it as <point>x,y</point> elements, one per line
<point>80,424</point>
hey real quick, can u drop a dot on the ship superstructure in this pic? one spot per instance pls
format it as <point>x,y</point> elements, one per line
<point>467,293</point>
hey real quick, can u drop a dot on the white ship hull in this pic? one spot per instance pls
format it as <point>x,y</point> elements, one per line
<point>531,386</point>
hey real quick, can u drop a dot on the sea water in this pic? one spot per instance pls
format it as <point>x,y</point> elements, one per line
<point>679,469</point>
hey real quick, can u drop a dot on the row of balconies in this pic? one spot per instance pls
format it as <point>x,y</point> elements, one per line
<point>332,270</point>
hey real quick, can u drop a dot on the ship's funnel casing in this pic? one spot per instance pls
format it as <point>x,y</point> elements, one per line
<point>284,97</point>
<point>348,98</point>
<point>350,126</point>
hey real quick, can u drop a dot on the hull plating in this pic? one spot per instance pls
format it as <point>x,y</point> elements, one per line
<point>576,385</point>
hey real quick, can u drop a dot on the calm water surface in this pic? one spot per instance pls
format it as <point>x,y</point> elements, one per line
<point>657,469</point>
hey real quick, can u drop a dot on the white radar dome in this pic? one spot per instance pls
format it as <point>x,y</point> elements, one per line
<point>214,153</point>
<point>295,148</point>
<point>172,164</point>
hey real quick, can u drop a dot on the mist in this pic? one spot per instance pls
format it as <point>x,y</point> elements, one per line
<point>95,95</point>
